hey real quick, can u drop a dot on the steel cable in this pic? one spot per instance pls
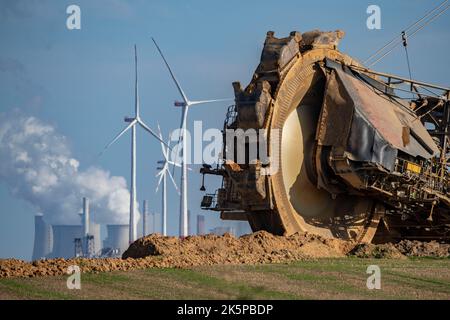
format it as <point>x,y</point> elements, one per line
<point>399,40</point>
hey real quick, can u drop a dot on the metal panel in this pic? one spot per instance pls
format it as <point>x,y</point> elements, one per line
<point>368,124</point>
<point>389,117</point>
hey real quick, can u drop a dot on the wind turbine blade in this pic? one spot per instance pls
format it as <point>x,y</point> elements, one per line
<point>163,147</point>
<point>173,181</point>
<point>180,136</point>
<point>169,139</point>
<point>191,103</point>
<point>161,175</point>
<point>143,125</point>
<point>136,85</point>
<point>166,156</point>
<point>159,130</point>
<point>132,123</point>
<point>180,90</point>
<point>176,164</point>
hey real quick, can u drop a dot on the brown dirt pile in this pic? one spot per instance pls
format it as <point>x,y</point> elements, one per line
<point>156,251</point>
<point>424,249</point>
<point>258,247</point>
<point>380,251</point>
<point>402,249</point>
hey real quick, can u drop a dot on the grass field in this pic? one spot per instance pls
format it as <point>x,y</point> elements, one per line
<point>322,279</point>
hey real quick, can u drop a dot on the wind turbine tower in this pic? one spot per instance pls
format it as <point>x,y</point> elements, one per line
<point>163,172</point>
<point>185,104</point>
<point>144,218</point>
<point>132,123</point>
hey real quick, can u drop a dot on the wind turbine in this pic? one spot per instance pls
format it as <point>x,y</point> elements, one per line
<point>185,104</point>
<point>133,122</point>
<point>163,172</point>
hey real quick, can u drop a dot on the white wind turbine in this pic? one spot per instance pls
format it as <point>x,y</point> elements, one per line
<point>162,173</point>
<point>185,104</point>
<point>133,122</point>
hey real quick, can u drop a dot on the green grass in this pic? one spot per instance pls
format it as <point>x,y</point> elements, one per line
<point>313,279</point>
<point>20,288</point>
<point>421,282</point>
<point>241,290</point>
<point>330,277</point>
<point>105,278</point>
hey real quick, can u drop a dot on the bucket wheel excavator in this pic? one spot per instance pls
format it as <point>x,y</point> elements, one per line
<point>340,151</point>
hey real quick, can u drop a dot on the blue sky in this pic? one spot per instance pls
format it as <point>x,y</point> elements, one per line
<point>81,81</point>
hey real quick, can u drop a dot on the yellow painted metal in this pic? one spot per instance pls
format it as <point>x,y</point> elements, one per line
<point>412,167</point>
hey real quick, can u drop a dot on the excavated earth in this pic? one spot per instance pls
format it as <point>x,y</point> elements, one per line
<point>402,249</point>
<point>156,251</point>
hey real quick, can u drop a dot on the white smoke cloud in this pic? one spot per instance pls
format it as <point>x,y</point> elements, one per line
<point>37,165</point>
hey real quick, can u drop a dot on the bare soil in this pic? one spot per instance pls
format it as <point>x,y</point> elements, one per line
<point>156,251</point>
<point>403,249</point>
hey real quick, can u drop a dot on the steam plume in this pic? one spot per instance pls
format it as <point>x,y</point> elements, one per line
<point>37,165</point>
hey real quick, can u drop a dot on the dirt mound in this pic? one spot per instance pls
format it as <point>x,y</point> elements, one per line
<point>424,249</point>
<point>402,249</point>
<point>52,267</point>
<point>156,251</point>
<point>381,251</point>
<point>258,247</point>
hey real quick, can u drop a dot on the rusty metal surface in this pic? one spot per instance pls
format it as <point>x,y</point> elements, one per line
<point>277,53</point>
<point>321,39</point>
<point>388,117</point>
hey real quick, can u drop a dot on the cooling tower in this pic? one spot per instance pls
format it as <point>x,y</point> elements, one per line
<point>118,237</point>
<point>94,230</point>
<point>43,238</point>
<point>63,240</point>
<point>200,224</point>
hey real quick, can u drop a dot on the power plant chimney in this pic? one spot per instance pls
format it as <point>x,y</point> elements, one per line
<point>85,216</point>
